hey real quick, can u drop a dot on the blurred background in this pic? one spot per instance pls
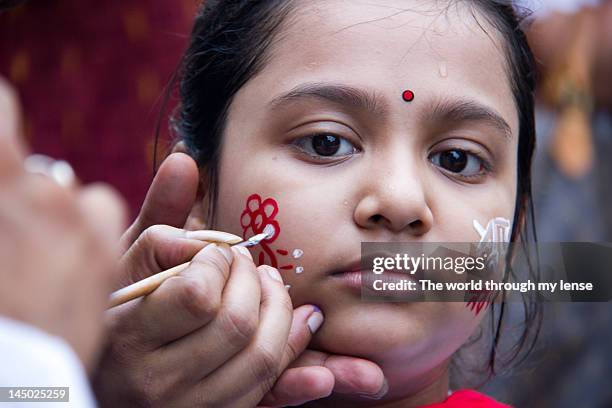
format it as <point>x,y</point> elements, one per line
<point>92,76</point>
<point>572,186</point>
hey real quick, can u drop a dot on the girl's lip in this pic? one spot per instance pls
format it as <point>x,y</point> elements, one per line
<point>354,277</point>
<point>351,279</point>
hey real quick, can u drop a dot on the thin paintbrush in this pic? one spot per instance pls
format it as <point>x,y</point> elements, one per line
<point>148,285</point>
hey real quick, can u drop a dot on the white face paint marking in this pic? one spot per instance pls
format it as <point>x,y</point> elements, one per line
<point>297,253</point>
<point>497,230</point>
<point>492,239</point>
<point>269,230</point>
<point>479,229</point>
<point>299,269</point>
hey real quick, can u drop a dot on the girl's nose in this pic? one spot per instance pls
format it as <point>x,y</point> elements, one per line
<point>396,202</point>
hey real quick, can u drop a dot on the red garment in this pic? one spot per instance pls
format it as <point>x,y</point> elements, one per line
<point>468,399</point>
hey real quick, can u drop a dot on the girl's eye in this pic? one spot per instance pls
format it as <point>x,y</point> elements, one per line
<point>326,145</point>
<point>460,162</point>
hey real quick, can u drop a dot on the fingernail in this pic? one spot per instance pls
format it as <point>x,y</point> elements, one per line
<point>244,251</point>
<point>381,393</point>
<point>225,251</point>
<point>315,320</point>
<point>273,273</point>
<point>192,234</point>
<point>213,236</point>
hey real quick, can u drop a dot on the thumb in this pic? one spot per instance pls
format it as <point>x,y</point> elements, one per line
<point>169,199</point>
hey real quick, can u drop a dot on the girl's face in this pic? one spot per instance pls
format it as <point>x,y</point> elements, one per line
<point>324,133</point>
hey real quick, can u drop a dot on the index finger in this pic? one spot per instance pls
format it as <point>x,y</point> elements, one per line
<point>181,304</point>
<point>259,362</point>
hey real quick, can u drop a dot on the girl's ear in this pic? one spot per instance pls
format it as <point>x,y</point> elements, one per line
<point>199,211</point>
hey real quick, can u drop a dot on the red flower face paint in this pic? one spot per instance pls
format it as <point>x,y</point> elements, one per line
<point>256,216</point>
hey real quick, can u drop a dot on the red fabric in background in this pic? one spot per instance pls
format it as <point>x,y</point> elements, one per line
<point>90,76</point>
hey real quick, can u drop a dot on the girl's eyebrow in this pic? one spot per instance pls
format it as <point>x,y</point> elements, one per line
<point>466,110</point>
<point>336,93</point>
<point>441,111</point>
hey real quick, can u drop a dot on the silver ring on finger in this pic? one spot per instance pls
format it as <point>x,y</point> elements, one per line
<point>59,171</point>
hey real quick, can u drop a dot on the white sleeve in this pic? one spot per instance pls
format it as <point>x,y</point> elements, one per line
<point>30,357</point>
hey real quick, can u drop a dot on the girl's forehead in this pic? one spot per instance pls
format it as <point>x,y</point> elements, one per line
<point>391,46</point>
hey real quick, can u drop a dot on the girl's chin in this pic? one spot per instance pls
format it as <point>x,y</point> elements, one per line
<point>372,335</point>
<point>388,332</point>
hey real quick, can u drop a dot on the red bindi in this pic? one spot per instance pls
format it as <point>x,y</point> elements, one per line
<point>408,95</point>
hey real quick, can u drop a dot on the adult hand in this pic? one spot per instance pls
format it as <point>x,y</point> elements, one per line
<point>222,333</point>
<point>56,245</point>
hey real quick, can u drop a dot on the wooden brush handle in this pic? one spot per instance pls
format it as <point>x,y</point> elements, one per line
<point>144,287</point>
<point>148,285</point>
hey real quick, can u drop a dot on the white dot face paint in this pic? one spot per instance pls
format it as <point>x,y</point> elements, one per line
<point>497,230</point>
<point>297,253</point>
<point>299,269</point>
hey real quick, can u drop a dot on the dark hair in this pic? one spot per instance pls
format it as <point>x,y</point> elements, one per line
<point>229,45</point>
<point>522,75</point>
<point>508,19</point>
